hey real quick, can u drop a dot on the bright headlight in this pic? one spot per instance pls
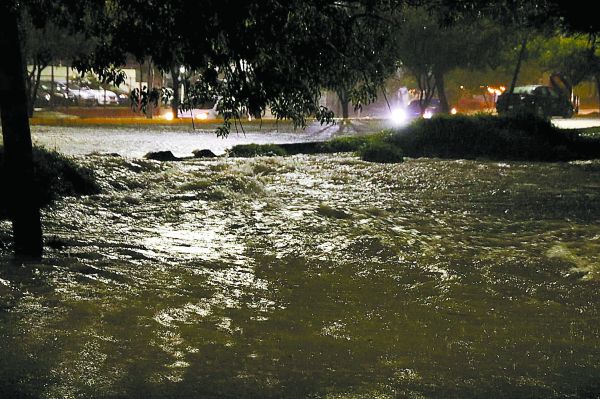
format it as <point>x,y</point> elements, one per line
<point>398,116</point>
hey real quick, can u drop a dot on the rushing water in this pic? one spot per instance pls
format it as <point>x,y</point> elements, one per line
<point>311,276</point>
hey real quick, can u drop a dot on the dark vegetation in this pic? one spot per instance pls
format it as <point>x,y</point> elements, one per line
<point>55,176</point>
<point>257,150</point>
<point>381,151</point>
<point>513,137</point>
<point>370,147</point>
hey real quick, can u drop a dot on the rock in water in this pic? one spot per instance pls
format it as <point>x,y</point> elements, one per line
<point>203,154</point>
<point>161,156</point>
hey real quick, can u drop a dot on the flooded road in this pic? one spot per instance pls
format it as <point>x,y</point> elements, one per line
<point>182,140</point>
<point>311,276</point>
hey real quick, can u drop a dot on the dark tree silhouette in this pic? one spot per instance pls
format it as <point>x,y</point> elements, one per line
<point>22,207</point>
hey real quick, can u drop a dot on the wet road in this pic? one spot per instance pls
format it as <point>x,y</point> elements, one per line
<point>576,123</point>
<point>182,140</point>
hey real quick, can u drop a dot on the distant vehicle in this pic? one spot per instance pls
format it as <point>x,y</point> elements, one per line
<point>106,97</point>
<point>62,88</point>
<point>42,99</point>
<point>204,111</point>
<point>49,94</point>
<point>539,100</point>
<point>400,116</point>
<point>122,96</point>
<point>83,95</point>
<point>414,109</point>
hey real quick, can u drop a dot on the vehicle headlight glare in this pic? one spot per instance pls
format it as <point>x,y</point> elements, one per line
<point>398,116</point>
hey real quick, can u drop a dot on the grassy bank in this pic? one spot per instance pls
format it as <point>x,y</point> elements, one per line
<point>55,176</point>
<point>517,137</point>
<point>374,147</point>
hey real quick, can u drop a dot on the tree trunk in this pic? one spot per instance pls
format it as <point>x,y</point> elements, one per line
<point>513,83</point>
<point>34,92</point>
<point>597,78</point>
<point>67,85</point>
<point>22,200</point>
<point>176,92</point>
<point>150,106</point>
<point>52,86</point>
<point>29,85</point>
<point>441,89</point>
<point>427,88</point>
<point>139,104</point>
<point>344,102</point>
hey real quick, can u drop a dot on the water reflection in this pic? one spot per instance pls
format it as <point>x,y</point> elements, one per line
<point>312,275</point>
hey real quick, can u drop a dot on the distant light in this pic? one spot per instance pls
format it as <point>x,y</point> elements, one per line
<point>453,111</point>
<point>496,90</point>
<point>202,116</point>
<point>169,116</point>
<point>398,116</point>
<point>427,114</point>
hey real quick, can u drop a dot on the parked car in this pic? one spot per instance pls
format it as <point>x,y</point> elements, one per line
<point>42,99</point>
<point>204,111</point>
<point>106,97</point>
<point>122,96</point>
<point>62,88</point>
<point>51,94</point>
<point>539,100</point>
<point>83,95</point>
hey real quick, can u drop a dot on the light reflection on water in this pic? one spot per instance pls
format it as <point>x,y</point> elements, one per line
<point>312,275</point>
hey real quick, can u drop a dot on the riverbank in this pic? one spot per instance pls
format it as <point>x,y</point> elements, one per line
<point>56,176</point>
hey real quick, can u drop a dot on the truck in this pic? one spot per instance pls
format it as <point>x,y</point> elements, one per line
<point>542,101</point>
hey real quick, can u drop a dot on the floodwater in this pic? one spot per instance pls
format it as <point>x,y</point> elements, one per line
<point>311,276</point>
<point>136,141</point>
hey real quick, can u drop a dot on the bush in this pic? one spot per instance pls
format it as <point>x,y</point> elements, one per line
<point>339,144</point>
<point>381,151</point>
<point>55,176</point>
<point>347,144</point>
<point>515,137</point>
<point>256,150</point>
